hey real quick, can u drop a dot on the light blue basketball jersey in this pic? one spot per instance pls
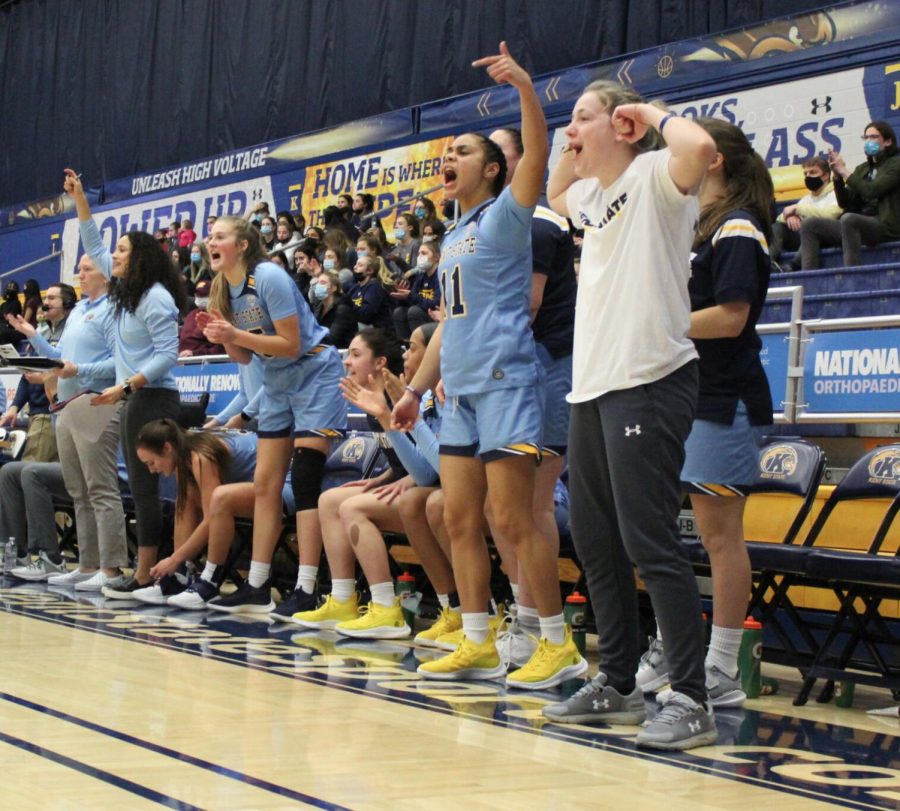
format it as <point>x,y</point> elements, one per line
<point>242,445</point>
<point>486,285</point>
<point>268,295</point>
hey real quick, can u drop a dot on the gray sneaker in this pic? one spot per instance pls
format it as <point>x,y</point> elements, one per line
<point>653,669</point>
<point>597,703</point>
<point>39,569</point>
<point>681,723</point>
<point>724,691</point>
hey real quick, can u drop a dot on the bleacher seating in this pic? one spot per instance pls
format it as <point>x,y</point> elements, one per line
<point>885,253</point>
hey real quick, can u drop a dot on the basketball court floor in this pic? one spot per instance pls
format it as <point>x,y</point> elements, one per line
<point>122,706</point>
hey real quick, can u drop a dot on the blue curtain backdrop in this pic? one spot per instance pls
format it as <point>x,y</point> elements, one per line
<point>119,87</point>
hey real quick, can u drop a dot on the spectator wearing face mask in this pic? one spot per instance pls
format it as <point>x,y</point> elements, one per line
<point>267,233</point>
<point>433,231</point>
<point>197,269</point>
<point>334,259</point>
<point>869,196</point>
<point>406,243</point>
<point>820,202</point>
<point>191,340</point>
<point>332,310</point>
<point>419,303</point>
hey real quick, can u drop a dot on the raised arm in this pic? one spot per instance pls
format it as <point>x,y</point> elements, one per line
<point>529,178</point>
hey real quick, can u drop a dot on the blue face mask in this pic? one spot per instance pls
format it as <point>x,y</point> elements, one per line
<point>872,148</point>
<point>328,264</point>
<point>195,258</point>
<point>266,229</point>
<point>420,212</point>
<point>362,252</point>
<point>320,291</point>
<point>399,233</point>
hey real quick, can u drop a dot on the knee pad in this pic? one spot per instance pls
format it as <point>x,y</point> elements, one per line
<point>307,471</point>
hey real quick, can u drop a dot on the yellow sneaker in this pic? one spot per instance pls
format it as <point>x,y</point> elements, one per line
<point>469,661</point>
<point>329,614</point>
<point>452,640</point>
<point>448,622</point>
<point>550,665</point>
<point>378,622</point>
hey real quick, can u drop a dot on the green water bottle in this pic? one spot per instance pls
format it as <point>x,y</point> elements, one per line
<point>843,694</point>
<point>576,605</point>
<point>750,658</point>
<point>405,589</point>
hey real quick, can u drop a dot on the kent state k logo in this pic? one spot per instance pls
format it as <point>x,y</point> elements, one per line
<point>353,450</point>
<point>884,467</point>
<point>778,462</point>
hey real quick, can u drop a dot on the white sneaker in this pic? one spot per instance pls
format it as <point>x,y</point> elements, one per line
<point>196,596</point>
<point>99,580</point>
<point>38,570</point>
<point>515,645</point>
<point>653,669</point>
<point>69,578</point>
<point>150,594</point>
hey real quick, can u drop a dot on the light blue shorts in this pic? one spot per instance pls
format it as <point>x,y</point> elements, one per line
<point>722,460</point>
<point>556,384</point>
<point>493,424</point>
<point>304,399</point>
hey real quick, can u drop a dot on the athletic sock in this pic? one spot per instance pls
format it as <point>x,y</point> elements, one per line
<point>444,600</point>
<point>658,633</point>
<point>475,626</point>
<point>259,573</point>
<point>553,629</point>
<point>209,572</point>
<point>343,589</point>
<point>514,587</point>
<point>528,619</point>
<point>306,578</point>
<point>382,593</point>
<point>724,646</point>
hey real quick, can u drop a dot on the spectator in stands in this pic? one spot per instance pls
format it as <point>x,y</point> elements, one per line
<point>280,259</point>
<point>344,202</point>
<point>210,222</point>
<point>284,236</point>
<point>191,340</point>
<point>314,234</point>
<point>89,464</point>
<point>424,210</point>
<point>300,407</point>
<point>433,231</point>
<point>179,259</point>
<point>370,296</point>
<point>146,300</point>
<point>420,302</point>
<point>299,222</point>
<point>820,202</point>
<point>59,301</point>
<point>32,302</point>
<point>338,242</point>
<point>729,280</point>
<point>869,196</point>
<point>201,462</point>
<point>308,267</point>
<point>187,236</point>
<point>405,250</point>
<point>363,216</point>
<point>333,259</point>
<point>11,306</point>
<point>27,490</point>
<point>332,310</point>
<point>632,412</point>
<point>365,515</point>
<point>267,233</point>
<point>197,269</point>
<point>286,218</point>
<point>333,218</point>
<point>257,212</point>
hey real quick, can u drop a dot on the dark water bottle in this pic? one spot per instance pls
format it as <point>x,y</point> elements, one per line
<point>576,605</point>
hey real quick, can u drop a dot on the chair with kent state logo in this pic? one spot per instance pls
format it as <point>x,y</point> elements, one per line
<point>779,506</point>
<point>862,574</point>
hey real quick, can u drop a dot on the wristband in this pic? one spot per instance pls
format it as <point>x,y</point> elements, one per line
<point>127,389</point>
<point>245,416</point>
<point>665,120</point>
<point>415,393</point>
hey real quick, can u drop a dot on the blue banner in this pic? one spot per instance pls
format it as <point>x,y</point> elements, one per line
<point>218,377</point>
<point>852,372</point>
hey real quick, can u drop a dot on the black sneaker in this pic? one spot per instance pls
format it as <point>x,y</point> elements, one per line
<point>298,600</point>
<point>246,600</point>
<point>124,591</point>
